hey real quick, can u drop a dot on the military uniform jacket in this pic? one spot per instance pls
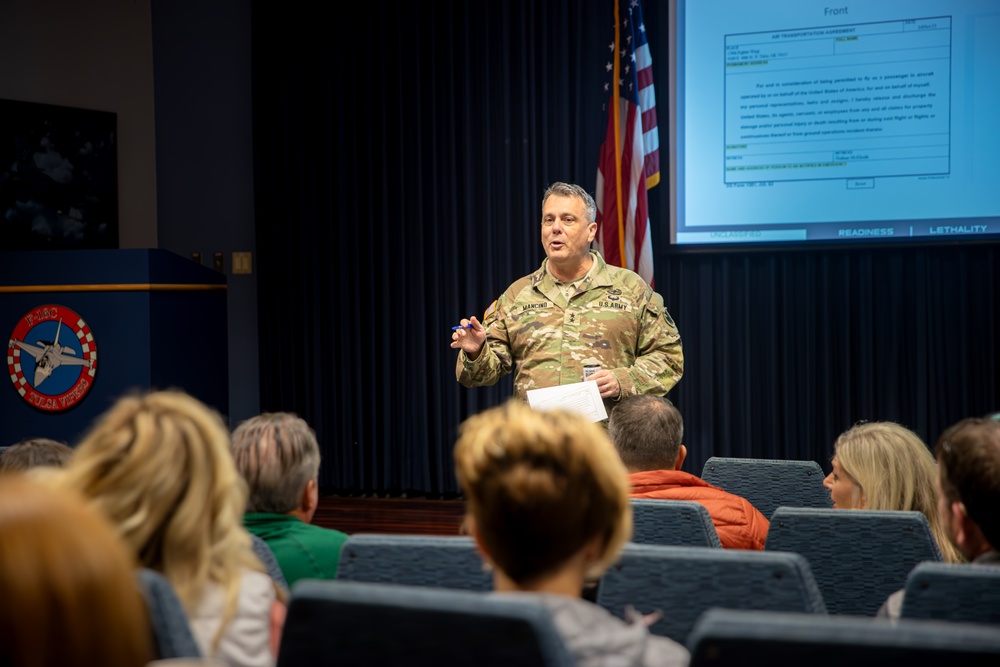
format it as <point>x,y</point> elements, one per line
<point>613,320</point>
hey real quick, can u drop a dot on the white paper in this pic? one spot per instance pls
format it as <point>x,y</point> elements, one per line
<point>582,397</point>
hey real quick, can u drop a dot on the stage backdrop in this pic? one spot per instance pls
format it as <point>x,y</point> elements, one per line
<point>400,158</point>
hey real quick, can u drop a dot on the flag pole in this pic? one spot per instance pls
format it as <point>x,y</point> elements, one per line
<point>616,110</point>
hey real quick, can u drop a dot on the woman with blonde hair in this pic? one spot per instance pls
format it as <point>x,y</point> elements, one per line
<point>68,585</point>
<point>547,503</point>
<point>885,466</point>
<point>158,466</point>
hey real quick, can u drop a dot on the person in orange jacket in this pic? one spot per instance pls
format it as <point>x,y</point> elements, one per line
<point>647,431</point>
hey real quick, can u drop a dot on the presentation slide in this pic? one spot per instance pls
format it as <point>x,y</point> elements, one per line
<point>801,121</point>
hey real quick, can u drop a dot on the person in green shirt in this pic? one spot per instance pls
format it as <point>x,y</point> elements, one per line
<point>279,458</point>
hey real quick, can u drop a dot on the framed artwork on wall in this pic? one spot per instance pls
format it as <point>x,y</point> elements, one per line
<point>58,177</point>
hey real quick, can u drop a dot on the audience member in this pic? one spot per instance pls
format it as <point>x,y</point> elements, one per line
<point>35,453</point>
<point>68,585</point>
<point>547,503</point>
<point>968,479</point>
<point>647,431</point>
<point>885,466</point>
<point>279,458</point>
<point>159,467</point>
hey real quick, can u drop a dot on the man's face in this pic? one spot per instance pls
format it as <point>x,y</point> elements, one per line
<point>566,234</point>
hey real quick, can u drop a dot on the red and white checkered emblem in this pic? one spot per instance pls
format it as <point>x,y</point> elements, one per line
<point>52,358</point>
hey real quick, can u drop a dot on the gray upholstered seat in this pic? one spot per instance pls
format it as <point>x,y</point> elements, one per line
<point>342,624</point>
<point>859,557</point>
<point>683,582</point>
<point>415,560</point>
<point>268,560</point>
<point>769,483</point>
<point>171,630</point>
<point>672,522</point>
<point>950,592</point>
<point>729,638</point>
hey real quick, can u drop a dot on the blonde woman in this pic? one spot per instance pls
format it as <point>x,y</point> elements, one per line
<point>547,503</point>
<point>68,585</point>
<point>159,467</point>
<point>885,466</point>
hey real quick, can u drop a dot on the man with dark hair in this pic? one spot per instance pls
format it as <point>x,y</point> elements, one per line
<point>968,457</point>
<point>35,453</point>
<point>647,431</point>
<point>278,456</point>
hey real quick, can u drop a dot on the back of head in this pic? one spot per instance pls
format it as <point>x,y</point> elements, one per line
<point>968,454</point>
<point>891,464</point>
<point>540,486</point>
<point>572,190</point>
<point>159,467</point>
<point>68,584</point>
<point>895,470</point>
<point>35,453</point>
<point>277,454</point>
<point>647,431</point>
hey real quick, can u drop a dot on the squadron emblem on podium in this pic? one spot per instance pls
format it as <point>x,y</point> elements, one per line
<point>52,358</point>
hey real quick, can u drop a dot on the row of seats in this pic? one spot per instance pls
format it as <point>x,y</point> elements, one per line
<point>685,581</point>
<point>409,626</point>
<point>858,557</point>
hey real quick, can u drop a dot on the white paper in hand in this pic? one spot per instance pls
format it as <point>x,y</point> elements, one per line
<point>580,397</point>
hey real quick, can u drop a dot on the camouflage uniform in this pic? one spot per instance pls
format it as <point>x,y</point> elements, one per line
<point>614,320</point>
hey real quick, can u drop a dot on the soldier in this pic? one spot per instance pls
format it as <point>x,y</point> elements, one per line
<point>573,312</point>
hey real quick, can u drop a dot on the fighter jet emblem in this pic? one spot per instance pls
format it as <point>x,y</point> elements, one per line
<point>65,369</point>
<point>50,356</point>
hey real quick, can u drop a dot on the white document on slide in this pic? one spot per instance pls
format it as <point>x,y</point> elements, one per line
<point>581,397</point>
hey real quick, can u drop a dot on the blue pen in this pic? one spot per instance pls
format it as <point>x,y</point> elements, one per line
<point>467,326</point>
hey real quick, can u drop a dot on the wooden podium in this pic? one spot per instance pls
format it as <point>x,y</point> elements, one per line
<point>84,327</point>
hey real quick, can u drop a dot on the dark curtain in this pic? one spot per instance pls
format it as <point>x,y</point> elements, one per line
<point>786,350</point>
<point>399,165</point>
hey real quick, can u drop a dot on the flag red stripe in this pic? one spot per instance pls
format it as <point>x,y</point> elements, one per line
<point>629,156</point>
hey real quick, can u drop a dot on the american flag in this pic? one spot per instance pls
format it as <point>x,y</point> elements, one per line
<point>629,163</point>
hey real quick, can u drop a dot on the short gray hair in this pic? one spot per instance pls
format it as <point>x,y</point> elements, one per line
<point>571,190</point>
<point>647,431</point>
<point>277,454</point>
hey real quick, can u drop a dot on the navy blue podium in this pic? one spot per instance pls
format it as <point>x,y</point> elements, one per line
<point>84,327</point>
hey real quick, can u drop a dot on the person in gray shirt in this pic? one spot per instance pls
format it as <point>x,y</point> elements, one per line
<point>547,503</point>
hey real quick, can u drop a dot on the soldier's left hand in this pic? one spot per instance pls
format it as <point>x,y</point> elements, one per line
<point>607,383</point>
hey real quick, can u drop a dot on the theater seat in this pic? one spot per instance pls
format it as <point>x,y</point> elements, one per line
<point>268,560</point>
<point>414,560</point>
<point>859,557</point>
<point>728,638</point>
<point>951,592</point>
<point>346,624</point>
<point>683,582</point>
<point>672,523</point>
<point>171,630</point>
<point>769,483</point>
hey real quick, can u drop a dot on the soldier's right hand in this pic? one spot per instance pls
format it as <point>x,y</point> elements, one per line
<point>470,336</point>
